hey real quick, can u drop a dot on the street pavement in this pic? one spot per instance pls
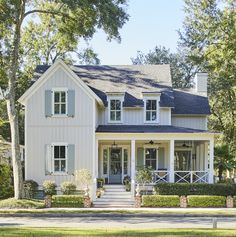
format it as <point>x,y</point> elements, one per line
<point>118,222</point>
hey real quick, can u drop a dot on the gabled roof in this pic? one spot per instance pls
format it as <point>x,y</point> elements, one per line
<point>133,81</point>
<point>42,78</point>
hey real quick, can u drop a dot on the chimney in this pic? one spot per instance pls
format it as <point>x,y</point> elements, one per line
<point>200,81</point>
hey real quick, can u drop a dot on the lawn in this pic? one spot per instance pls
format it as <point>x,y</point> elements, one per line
<point>61,232</point>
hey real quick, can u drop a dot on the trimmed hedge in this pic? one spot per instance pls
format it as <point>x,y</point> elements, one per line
<point>160,201</point>
<point>12,203</point>
<point>195,189</point>
<point>67,201</point>
<point>206,201</point>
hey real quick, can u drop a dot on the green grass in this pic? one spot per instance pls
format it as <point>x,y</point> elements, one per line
<point>12,203</point>
<point>69,232</point>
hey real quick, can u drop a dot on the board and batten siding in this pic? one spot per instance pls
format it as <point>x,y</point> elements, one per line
<point>135,116</point>
<point>195,122</point>
<point>42,130</point>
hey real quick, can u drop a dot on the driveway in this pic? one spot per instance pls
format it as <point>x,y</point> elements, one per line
<point>118,222</point>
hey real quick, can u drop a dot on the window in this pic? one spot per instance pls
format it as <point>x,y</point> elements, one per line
<point>115,110</point>
<point>59,102</point>
<point>151,158</point>
<point>151,110</point>
<point>105,161</point>
<point>59,158</point>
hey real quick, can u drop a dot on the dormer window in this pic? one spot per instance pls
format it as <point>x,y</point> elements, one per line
<point>115,110</point>
<point>151,110</point>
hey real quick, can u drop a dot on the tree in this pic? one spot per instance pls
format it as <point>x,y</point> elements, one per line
<point>181,70</point>
<point>224,160</point>
<point>72,19</point>
<point>209,33</point>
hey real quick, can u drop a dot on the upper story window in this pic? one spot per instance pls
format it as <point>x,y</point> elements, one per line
<point>59,102</point>
<point>115,110</point>
<point>151,110</point>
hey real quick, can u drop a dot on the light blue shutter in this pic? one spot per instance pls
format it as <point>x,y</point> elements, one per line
<point>71,103</point>
<point>48,159</point>
<point>140,154</point>
<point>71,159</point>
<point>48,103</point>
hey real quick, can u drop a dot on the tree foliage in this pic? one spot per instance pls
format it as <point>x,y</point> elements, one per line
<point>35,30</point>
<point>181,69</point>
<point>209,33</point>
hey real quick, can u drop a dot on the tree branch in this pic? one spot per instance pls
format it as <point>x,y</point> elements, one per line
<point>46,12</point>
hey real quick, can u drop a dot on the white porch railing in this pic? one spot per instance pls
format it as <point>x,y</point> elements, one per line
<point>160,176</point>
<point>191,176</point>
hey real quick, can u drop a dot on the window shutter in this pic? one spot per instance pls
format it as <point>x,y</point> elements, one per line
<point>48,103</point>
<point>140,156</point>
<point>48,160</point>
<point>71,159</point>
<point>71,103</point>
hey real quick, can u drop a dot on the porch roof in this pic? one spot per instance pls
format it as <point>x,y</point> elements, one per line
<point>146,129</point>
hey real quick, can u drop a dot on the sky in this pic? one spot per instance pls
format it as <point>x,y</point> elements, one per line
<point>152,23</point>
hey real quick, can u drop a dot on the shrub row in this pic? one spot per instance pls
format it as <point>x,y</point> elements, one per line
<point>12,203</point>
<point>206,201</point>
<point>67,201</point>
<point>195,189</point>
<point>192,201</point>
<point>160,201</point>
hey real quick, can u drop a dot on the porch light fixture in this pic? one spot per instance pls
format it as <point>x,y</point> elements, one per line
<point>114,145</point>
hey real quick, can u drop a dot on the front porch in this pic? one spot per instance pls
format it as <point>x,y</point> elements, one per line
<point>183,159</point>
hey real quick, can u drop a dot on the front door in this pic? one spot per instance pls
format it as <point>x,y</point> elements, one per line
<point>115,174</point>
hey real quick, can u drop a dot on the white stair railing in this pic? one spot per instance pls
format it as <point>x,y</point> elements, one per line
<point>160,176</point>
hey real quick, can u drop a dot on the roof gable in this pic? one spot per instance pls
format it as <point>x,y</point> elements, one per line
<point>47,73</point>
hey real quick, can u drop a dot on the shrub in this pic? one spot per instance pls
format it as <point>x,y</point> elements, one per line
<point>234,201</point>
<point>49,187</point>
<point>30,188</point>
<point>22,203</point>
<point>67,201</point>
<point>68,188</point>
<point>83,177</point>
<point>195,189</point>
<point>206,201</point>
<point>127,183</point>
<point>160,201</point>
<point>6,186</point>
<point>100,183</point>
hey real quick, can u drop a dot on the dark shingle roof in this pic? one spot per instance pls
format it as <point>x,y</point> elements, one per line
<point>145,129</point>
<point>188,103</point>
<point>132,80</point>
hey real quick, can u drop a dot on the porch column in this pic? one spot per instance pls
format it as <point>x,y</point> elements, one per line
<point>133,167</point>
<point>211,161</point>
<point>172,161</point>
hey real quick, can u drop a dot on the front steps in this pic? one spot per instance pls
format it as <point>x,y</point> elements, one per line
<point>114,196</point>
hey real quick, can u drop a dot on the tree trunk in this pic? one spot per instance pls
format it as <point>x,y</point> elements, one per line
<point>11,104</point>
<point>220,172</point>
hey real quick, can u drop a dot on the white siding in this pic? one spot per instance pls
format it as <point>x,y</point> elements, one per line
<point>196,122</point>
<point>135,116</point>
<point>40,130</point>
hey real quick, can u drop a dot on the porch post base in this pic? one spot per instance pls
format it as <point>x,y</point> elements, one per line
<point>137,201</point>
<point>48,201</point>
<point>183,202</point>
<point>229,202</point>
<point>87,202</point>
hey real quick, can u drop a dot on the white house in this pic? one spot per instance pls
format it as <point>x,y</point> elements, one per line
<point>114,119</point>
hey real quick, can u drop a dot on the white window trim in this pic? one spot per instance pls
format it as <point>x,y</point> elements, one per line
<point>59,89</point>
<point>66,153</point>
<point>157,109</point>
<point>150,147</point>
<point>121,109</point>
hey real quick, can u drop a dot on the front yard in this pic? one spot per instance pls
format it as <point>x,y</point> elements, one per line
<point>68,232</point>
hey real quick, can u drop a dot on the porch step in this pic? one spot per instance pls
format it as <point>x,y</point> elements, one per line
<point>114,196</point>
